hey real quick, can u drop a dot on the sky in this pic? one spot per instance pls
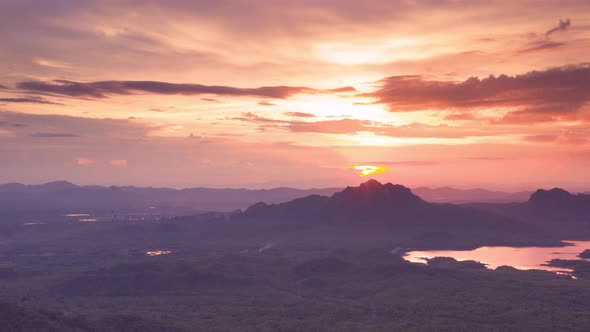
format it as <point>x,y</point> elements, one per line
<point>261,94</point>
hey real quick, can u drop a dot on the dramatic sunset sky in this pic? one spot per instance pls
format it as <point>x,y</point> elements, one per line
<point>292,93</point>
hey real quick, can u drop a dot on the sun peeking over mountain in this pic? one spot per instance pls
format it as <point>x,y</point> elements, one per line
<point>366,170</point>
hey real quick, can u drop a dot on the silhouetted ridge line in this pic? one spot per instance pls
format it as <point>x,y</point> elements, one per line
<point>553,195</point>
<point>560,205</point>
<point>373,207</point>
<point>369,198</point>
<point>372,193</point>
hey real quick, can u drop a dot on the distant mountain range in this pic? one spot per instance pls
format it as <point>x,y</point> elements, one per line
<point>453,195</point>
<point>63,195</point>
<point>369,214</point>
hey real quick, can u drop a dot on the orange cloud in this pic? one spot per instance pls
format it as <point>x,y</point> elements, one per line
<point>118,162</point>
<point>85,161</point>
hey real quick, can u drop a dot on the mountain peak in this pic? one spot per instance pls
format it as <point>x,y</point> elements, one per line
<point>372,183</point>
<point>558,204</point>
<point>550,196</point>
<point>372,203</point>
<point>374,186</point>
<point>57,185</point>
<point>372,192</point>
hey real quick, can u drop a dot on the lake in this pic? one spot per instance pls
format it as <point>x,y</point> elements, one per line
<point>526,258</point>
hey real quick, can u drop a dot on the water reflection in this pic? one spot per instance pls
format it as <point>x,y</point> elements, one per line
<point>521,258</point>
<point>158,252</point>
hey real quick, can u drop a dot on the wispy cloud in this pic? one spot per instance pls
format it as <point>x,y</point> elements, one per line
<point>62,126</point>
<point>402,163</point>
<point>562,26</point>
<point>544,44</point>
<point>540,138</point>
<point>299,114</point>
<point>11,124</point>
<point>51,63</point>
<point>354,126</point>
<point>541,45</point>
<point>54,135</point>
<point>29,100</point>
<point>211,100</point>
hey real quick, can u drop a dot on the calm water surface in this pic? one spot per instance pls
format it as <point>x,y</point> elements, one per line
<point>521,258</point>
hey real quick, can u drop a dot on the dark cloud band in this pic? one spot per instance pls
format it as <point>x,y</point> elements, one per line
<point>104,89</point>
<point>28,100</point>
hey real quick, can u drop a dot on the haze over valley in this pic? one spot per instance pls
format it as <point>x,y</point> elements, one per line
<point>294,166</point>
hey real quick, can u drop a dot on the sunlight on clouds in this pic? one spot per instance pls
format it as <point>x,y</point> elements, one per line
<point>5,133</point>
<point>51,63</point>
<point>329,106</point>
<point>355,54</point>
<point>85,161</point>
<point>376,140</point>
<point>377,52</point>
<point>118,162</point>
<point>371,139</point>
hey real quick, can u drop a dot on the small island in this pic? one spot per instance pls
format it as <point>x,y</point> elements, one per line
<point>585,254</point>
<point>580,268</point>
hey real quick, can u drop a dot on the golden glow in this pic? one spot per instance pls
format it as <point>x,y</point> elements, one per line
<point>375,52</point>
<point>330,107</point>
<point>51,63</point>
<point>366,170</point>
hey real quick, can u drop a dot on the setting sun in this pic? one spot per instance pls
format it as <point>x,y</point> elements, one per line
<point>366,170</point>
